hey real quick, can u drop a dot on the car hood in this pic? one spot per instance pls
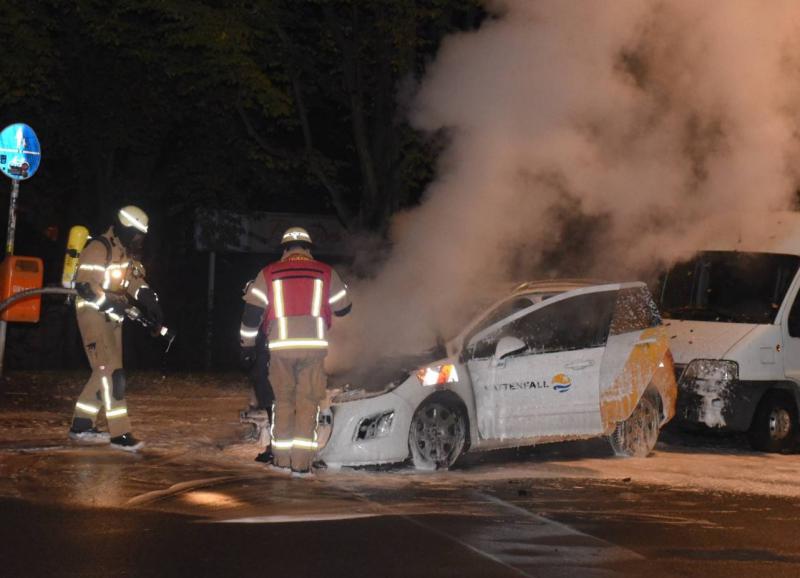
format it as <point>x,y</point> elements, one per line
<point>381,375</point>
<point>690,340</point>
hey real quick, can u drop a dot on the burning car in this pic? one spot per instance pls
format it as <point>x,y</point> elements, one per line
<point>552,361</point>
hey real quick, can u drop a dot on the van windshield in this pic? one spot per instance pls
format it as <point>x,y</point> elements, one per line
<point>727,286</point>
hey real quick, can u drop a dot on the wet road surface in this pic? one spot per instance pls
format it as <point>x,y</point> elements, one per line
<point>194,503</point>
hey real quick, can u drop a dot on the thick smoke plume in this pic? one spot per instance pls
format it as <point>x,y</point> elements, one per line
<point>584,138</point>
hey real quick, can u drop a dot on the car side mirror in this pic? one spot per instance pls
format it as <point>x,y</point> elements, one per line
<point>508,345</point>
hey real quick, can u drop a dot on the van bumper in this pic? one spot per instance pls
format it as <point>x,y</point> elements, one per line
<point>730,408</point>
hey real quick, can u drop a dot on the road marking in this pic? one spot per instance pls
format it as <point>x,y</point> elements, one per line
<point>517,539</point>
<point>528,541</point>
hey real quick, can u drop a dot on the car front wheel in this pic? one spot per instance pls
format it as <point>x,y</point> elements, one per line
<point>774,427</point>
<point>637,436</point>
<point>437,436</point>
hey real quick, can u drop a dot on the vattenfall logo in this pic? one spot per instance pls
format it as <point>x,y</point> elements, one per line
<point>561,383</point>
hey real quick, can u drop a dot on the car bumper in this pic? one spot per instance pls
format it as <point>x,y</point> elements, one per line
<point>348,447</point>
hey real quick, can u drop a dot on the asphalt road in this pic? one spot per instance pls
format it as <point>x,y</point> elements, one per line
<point>380,524</point>
<point>193,503</point>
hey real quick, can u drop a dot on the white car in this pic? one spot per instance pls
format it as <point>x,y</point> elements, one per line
<point>553,361</point>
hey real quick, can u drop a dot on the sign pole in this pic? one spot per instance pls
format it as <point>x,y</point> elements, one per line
<point>12,229</point>
<point>212,274</point>
<point>12,218</point>
<point>20,155</point>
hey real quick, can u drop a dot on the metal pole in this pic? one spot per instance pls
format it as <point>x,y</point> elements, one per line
<point>212,265</point>
<point>12,218</point>
<point>12,229</point>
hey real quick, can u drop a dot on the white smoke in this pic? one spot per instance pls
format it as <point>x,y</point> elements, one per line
<point>602,133</point>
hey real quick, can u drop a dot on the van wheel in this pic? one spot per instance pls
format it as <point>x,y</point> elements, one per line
<point>437,436</point>
<point>637,436</point>
<point>774,427</point>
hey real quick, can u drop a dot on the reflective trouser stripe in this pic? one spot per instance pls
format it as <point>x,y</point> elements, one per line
<point>106,393</point>
<point>120,411</point>
<point>112,412</point>
<point>86,408</point>
<point>302,443</point>
<point>305,444</point>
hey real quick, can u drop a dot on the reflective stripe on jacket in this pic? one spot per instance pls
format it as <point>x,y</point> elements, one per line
<point>105,267</point>
<point>299,312</point>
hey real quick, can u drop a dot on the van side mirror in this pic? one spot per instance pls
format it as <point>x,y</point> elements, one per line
<point>508,345</point>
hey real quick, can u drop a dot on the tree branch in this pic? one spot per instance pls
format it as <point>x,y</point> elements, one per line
<point>312,156</point>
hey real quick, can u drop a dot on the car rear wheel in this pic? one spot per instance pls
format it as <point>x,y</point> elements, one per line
<point>637,436</point>
<point>774,427</point>
<point>437,435</point>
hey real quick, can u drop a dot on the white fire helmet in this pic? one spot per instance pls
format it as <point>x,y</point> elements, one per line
<point>133,216</point>
<point>296,235</point>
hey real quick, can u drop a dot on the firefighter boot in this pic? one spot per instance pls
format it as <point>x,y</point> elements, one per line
<point>127,443</point>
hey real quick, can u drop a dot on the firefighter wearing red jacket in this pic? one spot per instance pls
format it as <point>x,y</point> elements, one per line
<point>295,299</point>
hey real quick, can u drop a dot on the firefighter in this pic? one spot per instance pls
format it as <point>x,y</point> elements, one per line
<point>294,299</point>
<point>109,275</point>
<point>255,362</point>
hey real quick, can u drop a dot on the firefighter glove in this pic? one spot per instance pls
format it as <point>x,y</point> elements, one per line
<point>115,304</point>
<point>148,299</point>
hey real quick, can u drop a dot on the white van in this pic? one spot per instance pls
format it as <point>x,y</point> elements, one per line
<point>732,315</point>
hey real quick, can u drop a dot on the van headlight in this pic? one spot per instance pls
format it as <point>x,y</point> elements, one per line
<point>710,373</point>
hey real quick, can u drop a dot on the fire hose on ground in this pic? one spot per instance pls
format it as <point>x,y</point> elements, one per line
<point>134,313</point>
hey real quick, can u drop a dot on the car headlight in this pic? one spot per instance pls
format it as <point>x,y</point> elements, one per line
<point>438,374</point>
<point>710,373</point>
<point>375,426</point>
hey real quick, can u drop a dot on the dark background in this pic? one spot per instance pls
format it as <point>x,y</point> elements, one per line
<point>283,106</point>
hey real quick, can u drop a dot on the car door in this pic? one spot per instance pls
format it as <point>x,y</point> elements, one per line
<point>635,346</point>
<point>791,344</point>
<point>536,374</point>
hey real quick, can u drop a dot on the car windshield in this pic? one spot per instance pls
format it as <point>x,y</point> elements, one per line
<point>727,286</point>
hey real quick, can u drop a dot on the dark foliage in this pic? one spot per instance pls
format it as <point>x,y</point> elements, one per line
<point>174,105</point>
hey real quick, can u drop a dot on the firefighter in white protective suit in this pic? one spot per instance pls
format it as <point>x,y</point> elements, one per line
<point>108,276</point>
<point>294,299</point>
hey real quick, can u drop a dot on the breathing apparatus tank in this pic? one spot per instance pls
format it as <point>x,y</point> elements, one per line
<point>78,236</point>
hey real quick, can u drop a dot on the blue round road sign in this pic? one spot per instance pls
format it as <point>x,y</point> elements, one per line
<point>19,151</point>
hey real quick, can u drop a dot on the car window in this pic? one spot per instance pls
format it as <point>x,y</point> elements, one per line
<point>727,286</point>
<point>501,311</point>
<point>576,323</point>
<point>634,310</point>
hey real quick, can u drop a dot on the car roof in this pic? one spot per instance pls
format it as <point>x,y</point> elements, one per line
<point>553,286</point>
<point>557,288</point>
